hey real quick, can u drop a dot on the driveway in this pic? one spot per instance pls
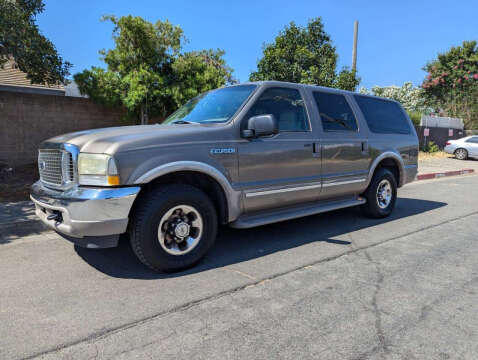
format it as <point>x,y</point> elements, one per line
<point>331,286</point>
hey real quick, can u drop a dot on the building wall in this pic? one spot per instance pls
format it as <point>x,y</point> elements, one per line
<point>28,119</point>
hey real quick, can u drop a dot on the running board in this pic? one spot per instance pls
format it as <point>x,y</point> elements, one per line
<point>249,221</point>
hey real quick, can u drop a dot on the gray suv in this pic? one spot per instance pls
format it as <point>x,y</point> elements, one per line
<point>244,155</point>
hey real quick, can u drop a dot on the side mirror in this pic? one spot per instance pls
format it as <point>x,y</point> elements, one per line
<point>261,125</point>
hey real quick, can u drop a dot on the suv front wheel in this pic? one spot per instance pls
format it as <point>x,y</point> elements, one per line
<point>173,227</point>
<point>381,194</point>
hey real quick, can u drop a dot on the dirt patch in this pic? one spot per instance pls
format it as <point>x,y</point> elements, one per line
<point>15,183</point>
<point>436,155</point>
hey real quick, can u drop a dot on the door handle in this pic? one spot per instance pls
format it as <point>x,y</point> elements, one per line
<point>315,149</point>
<point>364,146</point>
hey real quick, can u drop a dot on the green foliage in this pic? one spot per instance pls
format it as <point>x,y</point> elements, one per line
<point>146,71</point>
<point>431,147</point>
<point>411,98</point>
<point>415,116</point>
<point>451,85</point>
<point>198,71</point>
<point>21,38</point>
<point>304,55</point>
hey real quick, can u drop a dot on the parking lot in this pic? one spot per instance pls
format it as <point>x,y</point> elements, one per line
<point>331,286</point>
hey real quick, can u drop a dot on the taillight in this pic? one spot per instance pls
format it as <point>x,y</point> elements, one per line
<point>448,143</point>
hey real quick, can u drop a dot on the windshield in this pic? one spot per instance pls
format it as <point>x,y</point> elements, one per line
<point>215,106</point>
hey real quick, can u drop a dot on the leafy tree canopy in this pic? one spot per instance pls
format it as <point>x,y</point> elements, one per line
<point>411,97</point>
<point>147,72</point>
<point>21,38</point>
<point>451,85</point>
<point>304,55</point>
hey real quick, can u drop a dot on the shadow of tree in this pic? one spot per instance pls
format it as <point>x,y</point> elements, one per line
<point>17,220</point>
<point>236,246</point>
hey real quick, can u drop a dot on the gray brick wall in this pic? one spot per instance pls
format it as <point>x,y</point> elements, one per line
<point>28,119</point>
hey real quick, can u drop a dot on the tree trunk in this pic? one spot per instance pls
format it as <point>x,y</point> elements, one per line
<point>144,115</point>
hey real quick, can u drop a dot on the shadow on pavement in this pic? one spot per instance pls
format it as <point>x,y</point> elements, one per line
<point>17,220</point>
<point>235,246</point>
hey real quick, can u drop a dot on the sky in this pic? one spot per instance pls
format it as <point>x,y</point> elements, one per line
<point>396,39</point>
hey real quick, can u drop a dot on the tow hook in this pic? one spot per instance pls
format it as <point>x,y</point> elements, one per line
<point>56,215</point>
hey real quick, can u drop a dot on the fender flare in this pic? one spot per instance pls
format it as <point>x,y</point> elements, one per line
<point>232,196</point>
<point>388,155</point>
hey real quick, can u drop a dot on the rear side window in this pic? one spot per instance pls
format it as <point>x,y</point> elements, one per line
<point>474,139</point>
<point>335,112</point>
<point>382,116</point>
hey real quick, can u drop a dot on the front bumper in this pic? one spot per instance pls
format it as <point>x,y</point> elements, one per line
<point>85,212</point>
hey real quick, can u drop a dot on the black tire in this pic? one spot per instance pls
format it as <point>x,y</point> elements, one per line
<point>461,154</point>
<point>146,219</point>
<point>372,208</point>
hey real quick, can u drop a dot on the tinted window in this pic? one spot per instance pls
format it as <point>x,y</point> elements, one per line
<point>286,105</point>
<point>474,139</point>
<point>335,112</point>
<point>382,116</point>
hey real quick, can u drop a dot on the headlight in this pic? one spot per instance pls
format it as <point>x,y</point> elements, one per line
<point>97,169</point>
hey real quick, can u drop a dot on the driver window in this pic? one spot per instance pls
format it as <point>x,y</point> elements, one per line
<point>286,105</point>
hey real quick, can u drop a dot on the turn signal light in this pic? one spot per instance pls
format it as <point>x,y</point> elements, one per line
<point>113,180</point>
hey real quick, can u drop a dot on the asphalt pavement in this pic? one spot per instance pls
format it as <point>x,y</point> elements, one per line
<point>331,286</point>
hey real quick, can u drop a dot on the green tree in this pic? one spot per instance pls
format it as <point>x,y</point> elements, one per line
<point>304,55</point>
<point>198,71</point>
<point>409,96</point>
<point>146,71</point>
<point>20,38</point>
<point>451,85</point>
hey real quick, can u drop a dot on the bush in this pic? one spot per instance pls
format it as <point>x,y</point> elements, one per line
<point>431,147</point>
<point>415,116</point>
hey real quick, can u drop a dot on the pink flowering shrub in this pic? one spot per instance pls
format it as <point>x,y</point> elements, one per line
<point>451,83</point>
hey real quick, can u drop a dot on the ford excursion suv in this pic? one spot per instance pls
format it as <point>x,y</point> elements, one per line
<point>244,155</point>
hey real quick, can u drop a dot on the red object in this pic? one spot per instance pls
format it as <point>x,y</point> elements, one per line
<point>448,143</point>
<point>443,174</point>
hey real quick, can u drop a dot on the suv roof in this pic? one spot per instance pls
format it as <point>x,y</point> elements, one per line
<point>312,86</point>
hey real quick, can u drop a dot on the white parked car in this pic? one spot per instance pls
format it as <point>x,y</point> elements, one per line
<point>464,148</point>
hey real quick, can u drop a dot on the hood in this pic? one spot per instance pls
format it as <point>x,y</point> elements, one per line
<point>129,138</point>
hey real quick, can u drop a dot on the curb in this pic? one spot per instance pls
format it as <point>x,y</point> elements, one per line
<point>445,173</point>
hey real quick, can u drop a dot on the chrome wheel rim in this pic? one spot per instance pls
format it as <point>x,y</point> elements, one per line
<point>460,154</point>
<point>384,194</point>
<point>180,229</point>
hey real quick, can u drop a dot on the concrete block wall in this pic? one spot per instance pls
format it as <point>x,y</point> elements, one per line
<point>28,119</point>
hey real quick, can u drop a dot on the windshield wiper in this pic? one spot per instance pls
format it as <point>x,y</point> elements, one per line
<point>183,122</point>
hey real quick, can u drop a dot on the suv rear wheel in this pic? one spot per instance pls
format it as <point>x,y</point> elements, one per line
<point>381,194</point>
<point>173,227</point>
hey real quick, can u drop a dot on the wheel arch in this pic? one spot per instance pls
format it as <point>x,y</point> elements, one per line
<point>391,161</point>
<point>201,175</point>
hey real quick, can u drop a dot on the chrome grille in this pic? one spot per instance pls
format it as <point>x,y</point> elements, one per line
<point>56,167</point>
<point>49,166</point>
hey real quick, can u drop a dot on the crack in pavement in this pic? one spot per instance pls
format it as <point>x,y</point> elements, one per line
<point>378,316</point>
<point>179,308</point>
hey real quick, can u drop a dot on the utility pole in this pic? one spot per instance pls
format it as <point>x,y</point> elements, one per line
<point>354,51</point>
